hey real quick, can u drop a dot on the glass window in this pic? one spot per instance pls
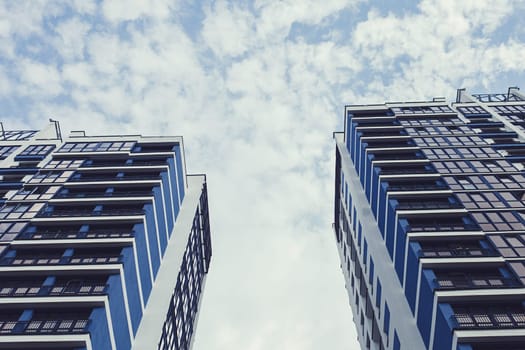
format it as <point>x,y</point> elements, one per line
<point>97,147</point>
<point>37,150</point>
<point>5,151</point>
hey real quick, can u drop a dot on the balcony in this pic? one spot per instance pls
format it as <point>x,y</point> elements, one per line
<point>488,318</point>
<point>417,186</point>
<point>110,178</point>
<point>90,212</point>
<point>456,282</point>
<point>103,194</point>
<point>440,224</point>
<point>75,234</point>
<point>63,288</point>
<point>60,260</point>
<point>456,252</point>
<point>55,326</point>
<point>406,169</point>
<point>123,163</point>
<point>428,204</point>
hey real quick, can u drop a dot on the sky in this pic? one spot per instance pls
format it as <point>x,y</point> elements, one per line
<point>256,88</point>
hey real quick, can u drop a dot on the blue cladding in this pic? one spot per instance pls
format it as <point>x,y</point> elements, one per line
<point>142,257</point>
<point>153,238</point>
<point>118,311</point>
<point>132,287</point>
<point>99,329</point>
<point>170,212</point>
<point>397,343</point>
<point>401,240</point>
<point>180,171</point>
<point>173,190</point>
<point>411,274</point>
<point>426,303</point>
<point>443,328</point>
<point>390,227</point>
<point>161,219</point>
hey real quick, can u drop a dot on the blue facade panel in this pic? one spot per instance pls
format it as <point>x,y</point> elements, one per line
<point>426,304</point>
<point>117,310</point>
<point>132,287</point>
<point>99,329</point>
<point>161,219</point>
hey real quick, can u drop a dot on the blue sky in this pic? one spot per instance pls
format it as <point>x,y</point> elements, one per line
<point>256,88</point>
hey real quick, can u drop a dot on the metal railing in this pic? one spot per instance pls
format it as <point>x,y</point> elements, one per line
<point>489,320</point>
<point>59,326</point>
<point>90,212</point>
<point>441,226</point>
<point>445,252</point>
<point>76,234</point>
<point>428,205</point>
<point>475,282</point>
<point>114,178</point>
<point>60,289</point>
<point>124,164</point>
<point>104,194</point>
<point>417,187</point>
<point>59,260</point>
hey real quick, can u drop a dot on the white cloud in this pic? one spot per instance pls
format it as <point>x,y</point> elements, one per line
<point>228,29</point>
<point>126,10</point>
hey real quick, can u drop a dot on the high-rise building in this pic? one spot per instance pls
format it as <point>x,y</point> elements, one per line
<point>430,222</point>
<point>104,242</point>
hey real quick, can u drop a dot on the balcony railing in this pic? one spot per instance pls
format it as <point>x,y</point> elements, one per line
<point>44,327</point>
<point>76,234</point>
<point>402,171</point>
<point>417,187</point>
<point>414,205</point>
<point>441,227</point>
<point>478,282</point>
<point>59,260</point>
<point>445,252</point>
<point>90,212</point>
<point>114,178</point>
<point>124,164</point>
<point>60,289</point>
<point>104,194</point>
<point>489,320</point>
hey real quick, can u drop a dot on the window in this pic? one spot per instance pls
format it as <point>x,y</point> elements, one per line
<point>430,121</point>
<point>15,135</point>
<point>66,163</point>
<point>41,192</point>
<point>51,177</point>
<point>472,110</point>
<point>97,147</point>
<point>422,109</point>
<point>5,151</point>
<point>440,141</point>
<point>509,109</point>
<point>36,151</point>
<point>386,321</point>
<point>17,211</point>
<point>499,221</point>
<point>509,246</point>
<point>9,230</point>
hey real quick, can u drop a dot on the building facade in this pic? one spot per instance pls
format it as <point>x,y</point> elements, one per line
<point>104,242</point>
<point>429,218</point>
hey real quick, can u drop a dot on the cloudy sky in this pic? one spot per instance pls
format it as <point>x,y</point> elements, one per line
<point>256,89</point>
